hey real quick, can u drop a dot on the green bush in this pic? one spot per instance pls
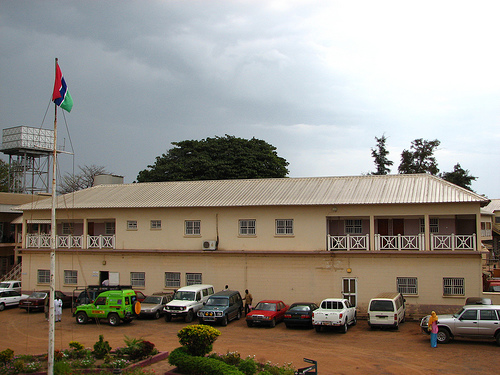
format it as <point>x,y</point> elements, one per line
<point>101,348</point>
<point>198,338</point>
<point>6,355</point>
<point>196,365</point>
<point>248,366</point>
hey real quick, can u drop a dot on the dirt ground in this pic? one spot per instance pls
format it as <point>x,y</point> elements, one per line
<point>359,351</point>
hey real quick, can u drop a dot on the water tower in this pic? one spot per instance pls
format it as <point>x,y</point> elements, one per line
<point>29,151</point>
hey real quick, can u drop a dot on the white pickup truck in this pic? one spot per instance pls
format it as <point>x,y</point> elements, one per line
<point>334,312</point>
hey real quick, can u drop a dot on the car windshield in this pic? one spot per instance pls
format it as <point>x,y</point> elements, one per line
<point>5,285</point>
<point>459,313</point>
<point>185,296</point>
<point>38,295</point>
<point>300,308</point>
<point>266,306</point>
<point>217,302</point>
<point>152,299</point>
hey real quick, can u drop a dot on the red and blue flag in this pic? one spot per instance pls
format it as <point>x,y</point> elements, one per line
<point>61,95</point>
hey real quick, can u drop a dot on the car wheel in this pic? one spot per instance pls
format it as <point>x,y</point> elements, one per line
<point>113,319</point>
<point>318,328</point>
<point>443,336</point>
<point>250,324</point>
<point>354,321</point>
<point>273,323</point>
<point>497,338</point>
<point>81,318</point>
<point>157,314</point>
<point>238,316</point>
<point>189,316</point>
<point>2,306</point>
<point>344,328</point>
<point>224,320</point>
<point>287,325</point>
<point>168,317</point>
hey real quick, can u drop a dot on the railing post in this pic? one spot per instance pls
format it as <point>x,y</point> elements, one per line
<point>474,241</point>
<point>432,241</point>
<point>453,239</point>
<point>348,242</point>
<point>367,242</point>
<point>399,244</point>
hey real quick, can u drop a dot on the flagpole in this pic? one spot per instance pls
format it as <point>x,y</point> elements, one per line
<point>53,228</point>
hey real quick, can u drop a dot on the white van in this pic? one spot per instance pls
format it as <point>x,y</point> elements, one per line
<point>187,301</point>
<point>386,310</point>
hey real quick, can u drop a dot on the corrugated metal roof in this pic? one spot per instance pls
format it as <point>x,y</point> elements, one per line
<point>493,206</point>
<point>388,189</point>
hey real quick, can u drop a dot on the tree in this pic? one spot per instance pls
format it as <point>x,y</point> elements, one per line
<point>219,158</point>
<point>83,180</point>
<point>4,177</point>
<point>420,158</point>
<point>380,156</point>
<point>459,177</point>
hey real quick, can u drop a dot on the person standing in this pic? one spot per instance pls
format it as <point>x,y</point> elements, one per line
<point>58,309</point>
<point>433,328</point>
<point>248,301</point>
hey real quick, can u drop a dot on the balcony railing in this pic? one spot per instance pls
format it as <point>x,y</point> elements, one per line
<point>402,242</point>
<point>42,241</point>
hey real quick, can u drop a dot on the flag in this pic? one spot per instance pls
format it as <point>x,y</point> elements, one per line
<point>61,95</point>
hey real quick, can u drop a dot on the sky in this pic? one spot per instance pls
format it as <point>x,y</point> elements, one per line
<point>318,80</point>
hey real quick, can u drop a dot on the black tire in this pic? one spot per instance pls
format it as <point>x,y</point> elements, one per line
<point>354,320</point>
<point>81,318</point>
<point>443,336</point>
<point>497,338</point>
<point>273,323</point>
<point>224,321</point>
<point>345,327</point>
<point>168,317</point>
<point>157,314</point>
<point>287,325</point>
<point>238,316</point>
<point>249,323</point>
<point>2,306</point>
<point>113,319</point>
<point>189,316</point>
<point>317,328</point>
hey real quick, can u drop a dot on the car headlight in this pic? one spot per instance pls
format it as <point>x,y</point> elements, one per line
<point>200,314</point>
<point>267,318</point>
<point>218,313</point>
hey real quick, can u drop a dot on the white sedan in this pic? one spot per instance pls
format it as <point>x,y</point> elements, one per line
<point>10,298</point>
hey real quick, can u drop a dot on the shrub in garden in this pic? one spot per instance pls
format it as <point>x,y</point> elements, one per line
<point>196,365</point>
<point>6,355</point>
<point>101,348</point>
<point>198,339</point>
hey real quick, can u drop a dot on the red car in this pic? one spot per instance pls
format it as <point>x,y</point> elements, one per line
<point>267,313</point>
<point>36,300</point>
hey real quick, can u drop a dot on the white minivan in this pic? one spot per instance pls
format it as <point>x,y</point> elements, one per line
<point>386,310</point>
<point>187,301</point>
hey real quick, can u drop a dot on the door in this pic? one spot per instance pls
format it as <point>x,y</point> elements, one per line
<point>467,323</point>
<point>383,227</point>
<point>349,290</point>
<point>398,227</point>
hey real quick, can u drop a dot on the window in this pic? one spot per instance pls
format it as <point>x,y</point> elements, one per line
<point>247,227</point>
<point>353,226</point>
<point>284,226</point>
<point>488,314</point>
<point>193,227</point>
<point>43,277</point>
<point>138,279</point>
<point>109,228</point>
<point>67,228</point>
<point>172,279</point>
<point>433,225</point>
<point>497,219</point>
<point>453,286</point>
<point>155,224</point>
<point>132,225</point>
<point>193,278</point>
<point>407,285</point>
<point>469,315</point>
<point>70,277</point>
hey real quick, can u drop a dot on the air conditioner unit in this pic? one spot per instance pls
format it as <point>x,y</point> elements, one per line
<point>209,245</point>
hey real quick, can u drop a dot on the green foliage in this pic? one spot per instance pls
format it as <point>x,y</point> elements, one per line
<point>25,364</point>
<point>63,368</point>
<point>76,345</point>
<point>420,158</point>
<point>4,176</point>
<point>459,177</point>
<point>196,365</point>
<point>198,338</point>
<point>218,158</point>
<point>138,348</point>
<point>380,156</point>
<point>248,366</point>
<point>101,348</point>
<point>6,355</point>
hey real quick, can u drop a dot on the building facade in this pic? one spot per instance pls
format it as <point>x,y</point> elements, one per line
<point>295,239</point>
